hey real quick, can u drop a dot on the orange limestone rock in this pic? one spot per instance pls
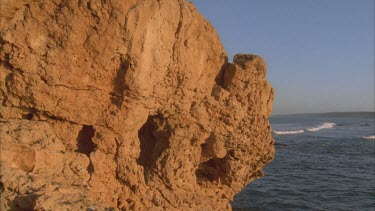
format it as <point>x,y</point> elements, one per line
<point>126,105</point>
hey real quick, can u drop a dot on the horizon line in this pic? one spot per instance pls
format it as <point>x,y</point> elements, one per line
<point>329,112</point>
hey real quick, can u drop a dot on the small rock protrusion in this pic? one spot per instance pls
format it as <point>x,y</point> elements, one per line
<point>25,159</point>
<point>245,60</point>
<point>214,147</point>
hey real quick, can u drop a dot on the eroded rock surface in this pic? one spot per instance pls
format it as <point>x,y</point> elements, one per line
<point>126,105</point>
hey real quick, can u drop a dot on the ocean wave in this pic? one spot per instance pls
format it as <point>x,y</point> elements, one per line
<point>369,137</point>
<point>325,125</point>
<point>284,132</point>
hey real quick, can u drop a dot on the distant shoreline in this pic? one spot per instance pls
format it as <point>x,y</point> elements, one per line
<point>362,114</point>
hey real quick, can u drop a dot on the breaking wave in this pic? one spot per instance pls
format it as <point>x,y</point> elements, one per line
<point>369,137</point>
<point>283,132</point>
<point>325,125</point>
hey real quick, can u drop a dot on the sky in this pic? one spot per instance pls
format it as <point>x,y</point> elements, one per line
<point>319,53</point>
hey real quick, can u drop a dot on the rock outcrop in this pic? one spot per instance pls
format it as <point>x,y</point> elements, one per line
<point>126,105</point>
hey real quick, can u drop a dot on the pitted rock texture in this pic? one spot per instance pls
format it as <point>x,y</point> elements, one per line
<point>126,105</point>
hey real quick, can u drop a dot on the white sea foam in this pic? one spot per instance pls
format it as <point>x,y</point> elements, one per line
<point>369,137</point>
<point>325,125</point>
<point>284,132</point>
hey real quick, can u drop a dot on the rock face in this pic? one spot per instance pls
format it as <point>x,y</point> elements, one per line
<point>126,105</point>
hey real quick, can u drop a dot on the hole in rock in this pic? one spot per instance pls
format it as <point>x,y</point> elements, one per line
<point>24,202</point>
<point>28,116</point>
<point>84,140</point>
<point>147,142</point>
<point>211,170</point>
<point>154,140</point>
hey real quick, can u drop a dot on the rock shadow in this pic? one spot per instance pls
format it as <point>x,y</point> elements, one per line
<point>119,85</point>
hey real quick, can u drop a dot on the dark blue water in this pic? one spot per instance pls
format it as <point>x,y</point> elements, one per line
<point>327,169</point>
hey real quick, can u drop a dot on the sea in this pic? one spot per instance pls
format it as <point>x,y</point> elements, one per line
<point>322,162</point>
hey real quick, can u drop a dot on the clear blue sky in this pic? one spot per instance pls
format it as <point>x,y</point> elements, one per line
<point>319,53</point>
